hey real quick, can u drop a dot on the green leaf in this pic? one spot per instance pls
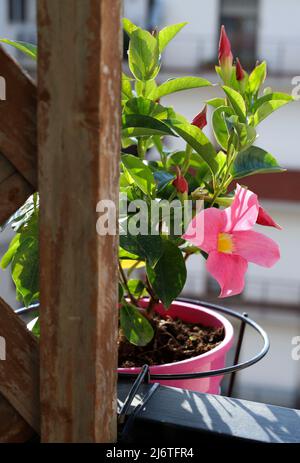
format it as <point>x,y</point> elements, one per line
<point>162,179</point>
<point>168,276</point>
<point>254,161</point>
<point>246,134</point>
<point>137,288</point>
<point>147,107</point>
<point>257,78</point>
<point>267,104</point>
<point>135,326</point>
<point>219,125</point>
<point>179,84</point>
<point>148,247</point>
<point>146,89</point>
<point>25,263</point>
<point>198,141</point>
<point>12,249</point>
<point>136,125</point>
<point>126,87</point>
<point>216,102</point>
<point>28,48</point>
<point>236,101</point>
<point>128,26</point>
<point>168,33</point>
<point>143,55</point>
<point>140,173</point>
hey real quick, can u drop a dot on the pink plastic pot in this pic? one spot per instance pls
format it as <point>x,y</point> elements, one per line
<point>211,360</point>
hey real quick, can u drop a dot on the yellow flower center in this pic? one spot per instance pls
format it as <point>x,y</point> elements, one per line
<point>225,243</point>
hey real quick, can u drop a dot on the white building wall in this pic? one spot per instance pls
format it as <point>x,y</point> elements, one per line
<point>279,34</point>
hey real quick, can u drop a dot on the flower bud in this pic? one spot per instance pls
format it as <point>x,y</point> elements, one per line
<point>180,182</point>
<point>265,219</point>
<point>200,120</point>
<point>240,73</point>
<point>225,55</point>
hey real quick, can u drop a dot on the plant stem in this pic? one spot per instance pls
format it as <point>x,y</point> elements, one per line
<point>125,282</point>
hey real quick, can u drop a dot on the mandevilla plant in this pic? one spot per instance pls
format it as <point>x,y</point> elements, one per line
<point>204,171</point>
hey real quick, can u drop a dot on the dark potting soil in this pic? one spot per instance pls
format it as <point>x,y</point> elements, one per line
<point>173,341</point>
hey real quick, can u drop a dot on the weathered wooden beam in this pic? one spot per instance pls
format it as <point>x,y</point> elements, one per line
<point>18,119</point>
<point>78,122</point>
<point>14,189</point>
<point>13,428</point>
<point>19,371</point>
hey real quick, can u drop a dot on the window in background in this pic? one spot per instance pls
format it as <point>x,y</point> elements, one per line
<point>240,20</point>
<point>17,11</point>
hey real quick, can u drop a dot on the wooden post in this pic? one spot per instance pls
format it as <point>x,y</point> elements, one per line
<point>78,145</point>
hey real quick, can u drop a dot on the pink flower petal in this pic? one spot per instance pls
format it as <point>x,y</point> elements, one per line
<point>243,212</point>
<point>204,229</point>
<point>229,271</point>
<point>256,247</point>
<point>265,219</point>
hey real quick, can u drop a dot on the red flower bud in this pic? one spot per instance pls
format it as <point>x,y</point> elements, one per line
<point>200,120</point>
<point>180,182</point>
<point>225,55</point>
<point>240,73</point>
<point>265,219</point>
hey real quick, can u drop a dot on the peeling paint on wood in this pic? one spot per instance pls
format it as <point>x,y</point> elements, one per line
<point>79,126</point>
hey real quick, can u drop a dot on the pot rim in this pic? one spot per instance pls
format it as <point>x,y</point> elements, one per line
<point>224,345</point>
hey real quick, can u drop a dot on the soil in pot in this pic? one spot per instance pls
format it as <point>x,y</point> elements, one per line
<point>174,341</point>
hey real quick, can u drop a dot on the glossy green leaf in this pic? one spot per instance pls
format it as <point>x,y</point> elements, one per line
<point>25,264</point>
<point>257,78</point>
<point>168,33</point>
<point>146,89</point>
<point>135,125</point>
<point>216,102</point>
<point>28,48</point>
<point>144,246</point>
<point>147,107</point>
<point>135,326</point>
<point>179,84</point>
<point>137,288</point>
<point>126,87</point>
<point>163,179</point>
<point>128,26</point>
<point>140,173</point>
<point>246,134</point>
<point>219,125</point>
<point>12,249</point>
<point>237,102</point>
<point>168,276</point>
<point>198,141</point>
<point>254,161</point>
<point>143,55</point>
<point>267,104</point>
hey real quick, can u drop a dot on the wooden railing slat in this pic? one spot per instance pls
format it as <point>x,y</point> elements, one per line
<point>79,145</point>
<point>18,119</point>
<point>19,372</point>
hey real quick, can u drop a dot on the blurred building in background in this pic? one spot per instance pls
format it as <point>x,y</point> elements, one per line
<point>18,22</point>
<point>258,29</point>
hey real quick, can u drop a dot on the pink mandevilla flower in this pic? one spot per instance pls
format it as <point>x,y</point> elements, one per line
<point>228,239</point>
